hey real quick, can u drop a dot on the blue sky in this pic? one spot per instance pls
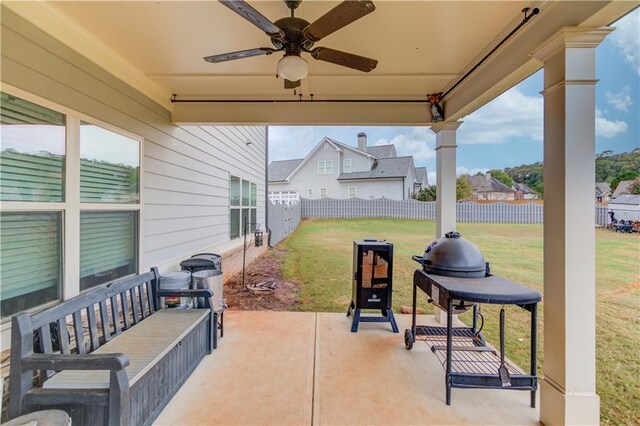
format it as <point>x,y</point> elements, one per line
<point>506,132</point>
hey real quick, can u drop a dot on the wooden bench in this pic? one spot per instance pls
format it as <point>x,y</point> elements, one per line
<point>110,355</point>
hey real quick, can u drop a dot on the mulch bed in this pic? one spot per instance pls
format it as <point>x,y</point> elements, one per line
<point>264,268</point>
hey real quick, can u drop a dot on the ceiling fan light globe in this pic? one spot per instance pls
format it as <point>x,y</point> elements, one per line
<point>293,68</point>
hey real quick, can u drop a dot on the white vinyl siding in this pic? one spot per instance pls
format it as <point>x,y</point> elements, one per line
<point>352,192</point>
<point>185,170</point>
<point>346,165</point>
<point>325,167</point>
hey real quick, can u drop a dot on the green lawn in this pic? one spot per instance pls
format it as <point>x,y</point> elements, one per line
<point>320,255</point>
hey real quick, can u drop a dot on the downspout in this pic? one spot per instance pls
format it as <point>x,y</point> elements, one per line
<point>403,189</point>
<point>266,186</point>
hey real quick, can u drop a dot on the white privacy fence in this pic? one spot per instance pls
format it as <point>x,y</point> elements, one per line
<point>284,218</point>
<point>412,209</point>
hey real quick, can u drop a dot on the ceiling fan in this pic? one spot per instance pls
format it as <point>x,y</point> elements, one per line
<point>294,35</point>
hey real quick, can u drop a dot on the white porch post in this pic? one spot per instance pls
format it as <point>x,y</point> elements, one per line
<point>445,186</point>
<point>568,390</point>
<point>446,177</point>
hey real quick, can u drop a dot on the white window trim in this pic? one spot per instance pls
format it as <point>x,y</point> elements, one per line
<point>72,206</point>
<point>344,165</point>
<point>240,207</point>
<point>355,192</point>
<point>326,193</point>
<point>310,192</point>
<point>324,166</point>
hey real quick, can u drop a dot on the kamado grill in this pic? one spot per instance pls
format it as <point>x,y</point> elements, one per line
<point>456,278</point>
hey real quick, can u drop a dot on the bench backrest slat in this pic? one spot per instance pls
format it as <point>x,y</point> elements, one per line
<point>125,309</point>
<point>78,331</point>
<point>63,336</point>
<point>104,321</point>
<point>93,328</point>
<point>143,302</point>
<point>115,315</point>
<point>134,305</point>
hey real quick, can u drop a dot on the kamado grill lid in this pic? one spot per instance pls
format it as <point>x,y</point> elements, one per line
<point>453,256</point>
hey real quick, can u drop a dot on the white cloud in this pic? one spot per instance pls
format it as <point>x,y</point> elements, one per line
<point>461,170</point>
<point>621,100</point>
<point>609,128</point>
<point>416,141</point>
<point>626,38</point>
<point>431,176</point>
<point>286,143</point>
<point>511,115</point>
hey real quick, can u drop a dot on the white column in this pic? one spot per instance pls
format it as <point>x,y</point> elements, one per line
<point>445,186</point>
<point>568,390</point>
<point>445,177</point>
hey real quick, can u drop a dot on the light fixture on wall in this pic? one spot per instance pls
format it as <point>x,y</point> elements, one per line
<point>292,67</point>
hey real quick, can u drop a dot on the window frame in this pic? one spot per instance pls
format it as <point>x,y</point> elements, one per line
<point>309,192</point>
<point>71,207</point>
<point>344,165</point>
<point>355,192</point>
<point>326,193</point>
<point>323,169</point>
<point>250,207</point>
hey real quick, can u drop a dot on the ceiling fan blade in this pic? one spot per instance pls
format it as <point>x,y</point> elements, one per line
<point>345,59</point>
<point>239,55</point>
<point>245,10</point>
<point>288,84</point>
<point>340,16</point>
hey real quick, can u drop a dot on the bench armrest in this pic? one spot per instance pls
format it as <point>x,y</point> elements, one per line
<point>114,361</point>
<point>201,292</point>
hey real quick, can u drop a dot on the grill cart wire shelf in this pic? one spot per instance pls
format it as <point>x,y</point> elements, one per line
<point>468,360</point>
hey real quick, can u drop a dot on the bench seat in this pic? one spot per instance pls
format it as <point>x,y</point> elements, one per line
<point>144,344</point>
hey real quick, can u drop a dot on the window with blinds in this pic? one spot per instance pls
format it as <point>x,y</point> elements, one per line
<point>30,265</point>
<point>109,166</point>
<point>33,147</point>
<point>36,204</point>
<point>108,246</point>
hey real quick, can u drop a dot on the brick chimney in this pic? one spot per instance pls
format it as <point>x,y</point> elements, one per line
<point>487,176</point>
<point>362,141</point>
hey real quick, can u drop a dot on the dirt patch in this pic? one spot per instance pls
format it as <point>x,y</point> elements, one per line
<point>265,268</point>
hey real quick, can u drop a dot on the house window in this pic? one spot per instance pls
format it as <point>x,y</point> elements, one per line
<point>346,166</point>
<point>323,192</point>
<point>58,170</point>
<point>325,167</point>
<point>243,202</point>
<point>353,192</point>
<point>309,192</point>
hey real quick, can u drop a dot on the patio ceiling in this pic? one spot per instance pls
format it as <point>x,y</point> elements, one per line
<point>422,47</point>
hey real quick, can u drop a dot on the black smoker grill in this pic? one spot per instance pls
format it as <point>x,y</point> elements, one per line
<point>456,278</point>
<point>372,282</point>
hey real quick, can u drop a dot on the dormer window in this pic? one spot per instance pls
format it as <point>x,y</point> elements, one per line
<point>346,166</point>
<point>325,167</point>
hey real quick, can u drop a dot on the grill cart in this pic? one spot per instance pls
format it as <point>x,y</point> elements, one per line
<point>372,282</point>
<point>455,278</point>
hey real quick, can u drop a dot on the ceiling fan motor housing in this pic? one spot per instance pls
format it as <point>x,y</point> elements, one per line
<point>294,41</point>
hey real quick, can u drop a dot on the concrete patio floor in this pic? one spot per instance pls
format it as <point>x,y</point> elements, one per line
<point>304,368</point>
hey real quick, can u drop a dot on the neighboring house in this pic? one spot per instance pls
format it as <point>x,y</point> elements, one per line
<point>336,170</point>
<point>524,192</point>
<point>603,192</point>
<point>98,183</point>
<point>623,188</point>
<point>489,188</point>
<point>626,207</point>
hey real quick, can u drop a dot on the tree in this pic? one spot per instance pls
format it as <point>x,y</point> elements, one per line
<point>463,188</point>
<point>628,175</point>
<point>502,176</point>
<point>427,194</point>
<point>635,187</point>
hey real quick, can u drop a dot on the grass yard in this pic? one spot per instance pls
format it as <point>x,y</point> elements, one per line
<point>320,255</point>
